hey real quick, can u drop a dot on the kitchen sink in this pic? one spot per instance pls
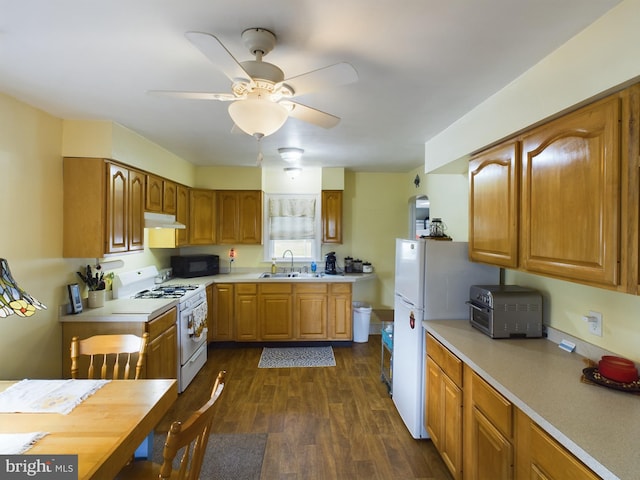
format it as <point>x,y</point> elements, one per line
<point>290,275</point>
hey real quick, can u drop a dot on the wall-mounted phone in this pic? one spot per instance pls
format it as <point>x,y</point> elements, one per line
<point>74,298</point>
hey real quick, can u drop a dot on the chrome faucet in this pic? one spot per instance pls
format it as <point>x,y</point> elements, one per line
<point>285,253</point>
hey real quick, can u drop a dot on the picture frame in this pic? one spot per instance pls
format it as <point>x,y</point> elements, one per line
<point>74,298</point>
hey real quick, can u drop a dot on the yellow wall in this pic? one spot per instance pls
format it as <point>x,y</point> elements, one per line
<point>603,56</point>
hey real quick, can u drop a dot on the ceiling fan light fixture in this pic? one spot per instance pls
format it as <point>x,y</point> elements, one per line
<point>292,172</point>
<point>290,154</point>
<point>256,116</point>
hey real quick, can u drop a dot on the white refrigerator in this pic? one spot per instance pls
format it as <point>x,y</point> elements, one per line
<point>432,282</point>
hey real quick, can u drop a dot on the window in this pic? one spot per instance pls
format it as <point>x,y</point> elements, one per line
<point>292,222</point>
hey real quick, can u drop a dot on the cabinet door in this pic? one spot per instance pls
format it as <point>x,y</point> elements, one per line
<point>222,313</point>
<point>310,311</point>
<point>339,321</point>
<point>493,206</point>
<point>434,422</point>
<point>228,216</point>
<point>117,209</point>
<point>250,213</point>
<point>332,216</point>
<point>491,452</point>
<point>202,213</point>
<point>162,355</point>
<point>153,200</point>
<point>246,312</point>
<point>136,210</point>
<point>182,215</point>
<point>276,311</point>
<point>169,197</point>
<point>571,196</point>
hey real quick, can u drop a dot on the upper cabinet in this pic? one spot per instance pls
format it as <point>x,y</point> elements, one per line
<point>561,199</point>
<point>332,216</point>
<point>103,208</point>
<point>239,219</point>
<point>182,215</point>
<point>202,217</point>
<point>571,195</point>
<point>493,208</point>
<point>160,195</point>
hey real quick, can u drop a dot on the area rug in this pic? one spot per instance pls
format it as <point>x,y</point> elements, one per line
<point>297,357</point>
<point>229,456</point>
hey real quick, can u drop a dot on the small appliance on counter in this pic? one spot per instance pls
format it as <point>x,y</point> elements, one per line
<point>198,265</point>
<point>330,264</point>
<point>506,311</point>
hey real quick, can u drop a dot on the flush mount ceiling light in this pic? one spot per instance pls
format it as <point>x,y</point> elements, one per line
<point>290,154</point>
<point>292,172</point>
<point>257,116</point>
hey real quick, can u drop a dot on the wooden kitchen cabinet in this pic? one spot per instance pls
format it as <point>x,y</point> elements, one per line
<point>221,312</point>
<point>162,350</point>
<point>103,208</point>
<point>331,216</point>
<point>162,347</point>
<point>340,322</point>
<point>239,216</point>
<point>540,457</point>
<point>494,181</point>
<point>246,312</point>
<point>202,217</point>
<point>160,195</point>
<point>310,311</point>
<point>570,196</point>
<point>182,215</point>
<point>490,432</point>
<point>443,404</point>
<point>275,311</point>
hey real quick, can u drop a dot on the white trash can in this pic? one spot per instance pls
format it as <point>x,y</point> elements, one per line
<point>361,322</point>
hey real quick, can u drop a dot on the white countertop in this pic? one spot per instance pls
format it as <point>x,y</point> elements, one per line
<point>143,310</point>
<point>600,426</point>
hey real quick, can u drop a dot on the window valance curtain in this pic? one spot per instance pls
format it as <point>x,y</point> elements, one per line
<point>292,218</point>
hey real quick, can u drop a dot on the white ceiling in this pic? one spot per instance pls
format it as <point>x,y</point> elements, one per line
<point>421,64</point>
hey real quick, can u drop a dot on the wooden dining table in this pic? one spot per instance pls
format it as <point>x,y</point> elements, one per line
<point>104,430</point>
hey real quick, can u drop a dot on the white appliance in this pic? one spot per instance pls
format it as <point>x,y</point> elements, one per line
<point>432,282</point>
<point>141,285</point>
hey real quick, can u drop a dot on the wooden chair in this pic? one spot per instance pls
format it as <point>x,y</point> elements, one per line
<point>192,436</point>
<point>100,348</point>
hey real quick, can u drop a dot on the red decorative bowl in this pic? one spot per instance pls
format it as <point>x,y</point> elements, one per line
<point>618,369</point>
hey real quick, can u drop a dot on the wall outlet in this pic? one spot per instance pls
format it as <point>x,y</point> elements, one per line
<point>594,319</point>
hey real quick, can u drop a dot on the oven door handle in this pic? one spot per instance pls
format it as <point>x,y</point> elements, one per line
<point>476,307</point>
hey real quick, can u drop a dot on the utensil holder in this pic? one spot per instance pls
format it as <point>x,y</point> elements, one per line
<point>95,298</point>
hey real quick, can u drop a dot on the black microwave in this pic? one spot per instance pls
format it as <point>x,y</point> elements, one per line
<point>189,266</point>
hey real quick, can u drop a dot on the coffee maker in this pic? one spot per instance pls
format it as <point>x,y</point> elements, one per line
<point>330,264</point>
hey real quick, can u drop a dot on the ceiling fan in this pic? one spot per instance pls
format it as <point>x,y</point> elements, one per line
<point>261,96</point>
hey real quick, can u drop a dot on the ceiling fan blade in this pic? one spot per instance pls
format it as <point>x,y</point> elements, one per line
<point>222,97</point>
<point>331,76</point>
<point>217,53</point>
<point>311,115</point>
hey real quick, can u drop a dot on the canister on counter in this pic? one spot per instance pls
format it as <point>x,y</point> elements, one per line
<point>348,265</point>
<point>367,267</point>
<point>357,266</point>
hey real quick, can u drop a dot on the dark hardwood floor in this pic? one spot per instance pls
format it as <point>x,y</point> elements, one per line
<point>322,423</point>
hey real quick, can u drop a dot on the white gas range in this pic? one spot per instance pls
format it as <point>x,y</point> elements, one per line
<point>191,319</point>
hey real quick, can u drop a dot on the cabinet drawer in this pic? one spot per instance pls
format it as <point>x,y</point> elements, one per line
<point>275,288</point>
<point>493,405</point>
<point>246,288</point>
<point>162,322</point>
<point>320,288</point>
<point>340,288</point>
<point>450,364</point>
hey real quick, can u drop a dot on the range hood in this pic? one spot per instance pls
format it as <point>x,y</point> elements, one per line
<point>161,220</point>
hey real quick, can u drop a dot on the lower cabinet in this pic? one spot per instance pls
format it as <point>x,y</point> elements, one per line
<point>162,347</point>
<point>540,457</point>
<point>281,311</point>
<point>275,311</point>
<point>480,434</point>
<point>489,442</point>
<point>443,414</point>
<point>220,322</point>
